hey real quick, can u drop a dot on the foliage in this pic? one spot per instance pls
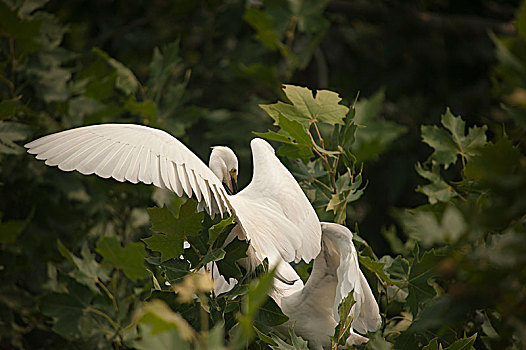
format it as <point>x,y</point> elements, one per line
<point>86,265</point>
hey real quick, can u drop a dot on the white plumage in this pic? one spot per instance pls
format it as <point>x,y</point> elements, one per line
<point>273,213</point>
<point>272,210</point>
<point>313,309</point>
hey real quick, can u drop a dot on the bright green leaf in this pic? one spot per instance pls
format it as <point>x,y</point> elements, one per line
<point>306,109</point>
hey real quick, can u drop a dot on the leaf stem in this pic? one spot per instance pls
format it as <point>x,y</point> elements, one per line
<point>102,314</point>
<point>108,293</point>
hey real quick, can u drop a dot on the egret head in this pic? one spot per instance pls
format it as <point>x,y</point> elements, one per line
<point>223,163</point>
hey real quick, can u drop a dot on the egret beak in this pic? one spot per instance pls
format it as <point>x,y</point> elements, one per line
<point>233,179</point>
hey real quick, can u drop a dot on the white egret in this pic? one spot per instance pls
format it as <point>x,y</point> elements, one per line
<point>273,213</point>
<point>313,309</point>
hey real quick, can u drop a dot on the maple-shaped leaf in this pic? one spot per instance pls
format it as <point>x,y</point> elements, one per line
<point>307,109</point>
<point>173,229</point>
<point>297,141</point>
<point>422,270</point>
<point>129,259</point>
<point>235,250</point>
<point>438,190</point>
<point>87,270</point>
<point>450,143</point>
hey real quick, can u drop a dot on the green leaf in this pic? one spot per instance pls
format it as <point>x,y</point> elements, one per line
<point>162,318</point>
<point>374,134</point>
<point>376,267</point>
<point>460,344</point>
<point>129,259</point>
<point>520,21</point>
<point>348,190</point>
<point>265,338</point>
<point>11,132</point>
<point>497,164</point>
<point>8,108</point>
<point>146,109</point>
<point>213,255</point>
<point>433,345</point>
<point>221,228</point>
<point>9,230</point>
<point>87,270</point>
<point>307,109</point>
<point>126,80</point>
<point>429,228</point>
<point>269,314</point>
<point>298,142</point>
<point>176,269</point>
<point>422,271</point>
<point>298,343</point>
<point>71,318</point>
<point>175,229</point>
<point>162,66</point>
<point>448,145</point>
<point>342,331</point>
<point>256,296</point>
<point>263,23</point>
<point>463,344</point>
<point>438,190</point>
<point>24,31</point>
<point>309,14</point>
<point>215,339</point>
<point>235,250</point>
<point>168,340</point>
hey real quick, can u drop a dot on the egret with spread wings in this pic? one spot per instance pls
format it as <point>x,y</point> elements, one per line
<point>273,213</point>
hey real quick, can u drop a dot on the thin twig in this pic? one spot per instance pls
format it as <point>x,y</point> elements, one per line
<point>100,313</point>
<point>108,293</point>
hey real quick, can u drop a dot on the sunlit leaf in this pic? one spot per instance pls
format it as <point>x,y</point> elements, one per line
<point>306,109</point>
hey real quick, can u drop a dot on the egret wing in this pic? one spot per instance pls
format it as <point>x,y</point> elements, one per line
<point>134,153</point>
<point>275,214</point>
<point>365,311</point>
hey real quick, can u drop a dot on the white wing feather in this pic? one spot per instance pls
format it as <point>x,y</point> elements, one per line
<point>365,311</point>
<point>135,153</point>
<point>273,211</point>
<point>275,214</point>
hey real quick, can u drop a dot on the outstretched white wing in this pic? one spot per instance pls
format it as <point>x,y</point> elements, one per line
<point>275,214</point>
<point>135,153</point>
<point>365,311</point>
